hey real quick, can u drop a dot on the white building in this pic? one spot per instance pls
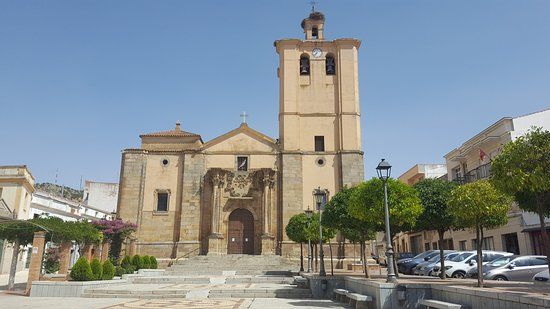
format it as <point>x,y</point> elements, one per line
<point>101,195</point>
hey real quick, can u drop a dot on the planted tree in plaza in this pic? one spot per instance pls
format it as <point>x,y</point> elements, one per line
<point>115,231</point>
<point>297,231</point>
<point>434,195</point>
<point>328,233</point>
<point>20,234</point>
<point>523,170</point>
<point>479,205</point>
<point>336,215</point>
<point>367,205</point>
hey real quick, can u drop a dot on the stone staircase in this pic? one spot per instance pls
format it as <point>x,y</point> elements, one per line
<point>230,276</point>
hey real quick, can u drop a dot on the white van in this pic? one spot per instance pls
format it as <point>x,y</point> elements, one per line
<point>459,265</point>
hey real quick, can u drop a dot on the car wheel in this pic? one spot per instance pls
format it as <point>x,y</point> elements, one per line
<point>500,278</point>
<point>458,274</point>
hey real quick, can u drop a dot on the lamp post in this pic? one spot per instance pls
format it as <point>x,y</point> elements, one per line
<point>384,171</point>
<point>309,214</point>
<point>321,200</point>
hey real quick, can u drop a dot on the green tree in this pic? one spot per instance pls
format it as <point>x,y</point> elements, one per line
<point>478,205</point>
<point>108,270</point>
<point>523,171</point>
<point>97,269</point>
<point>154,263</point>
<point>136,262</point>
<point>336,215</point>
<point>328,233</point>
<point>367,205</point>
<point>145,262</point>
<point>81,270</point>
<point>434,196</point>
<point>296,230</point>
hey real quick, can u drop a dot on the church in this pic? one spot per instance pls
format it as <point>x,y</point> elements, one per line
<point>235,193</point>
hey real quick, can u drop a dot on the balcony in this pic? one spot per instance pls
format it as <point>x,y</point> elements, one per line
<point>481,172</point>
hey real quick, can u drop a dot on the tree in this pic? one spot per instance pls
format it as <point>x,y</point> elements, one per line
<point>296,230</point>
<point>434,196</point>
<point>523,171</point>
<point>478,205</point>
<point>314,236</point>
<point>19,233</point>
<point>82,270</point>
<point>367,205</point>
<point>336,215</point>
<point>116,232</point>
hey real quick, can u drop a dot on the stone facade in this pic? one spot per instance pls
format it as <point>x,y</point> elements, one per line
<point>237,192</point>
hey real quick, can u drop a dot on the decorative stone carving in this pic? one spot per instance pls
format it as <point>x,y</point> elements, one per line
<point>238,185</point>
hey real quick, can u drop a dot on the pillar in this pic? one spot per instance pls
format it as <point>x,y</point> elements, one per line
<point>37,255</point>
<point>88,252</point>
<point>97,252</point>
<point>65,257</point>
<point>267,239</point>
<point>104,251</point>
<point>132,249</point>
<point>215,239</point>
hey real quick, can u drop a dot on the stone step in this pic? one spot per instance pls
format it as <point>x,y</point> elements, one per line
<point>123,295</point>
<point>260,293</point>
<point>208,280</point>
<point>223,272</point>
<point>171,279</point>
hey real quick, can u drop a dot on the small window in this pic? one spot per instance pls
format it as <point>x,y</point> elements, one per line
<point>162,201</point>
<point>304,65</point>
<point>522,262</point>
<point>330,65</point>
<point>315,32</point>
<point>319,143</point>
<point>539,261</point>
<point>462,245</point>
<point>434,245</point>
<point>164,162</point>
<point>242,164</point>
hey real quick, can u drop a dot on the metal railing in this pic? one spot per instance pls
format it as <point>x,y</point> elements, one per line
<point>481,172</point>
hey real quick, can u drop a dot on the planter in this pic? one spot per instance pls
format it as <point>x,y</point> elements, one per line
<point>67,288</point>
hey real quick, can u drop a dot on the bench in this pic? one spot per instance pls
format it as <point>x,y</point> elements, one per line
<point>301,282</point>
<point>340,294</point>
<point>358,300</point>
<point>431,303</point>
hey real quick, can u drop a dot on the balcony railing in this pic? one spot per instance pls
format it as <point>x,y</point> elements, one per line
<point>481,172</point>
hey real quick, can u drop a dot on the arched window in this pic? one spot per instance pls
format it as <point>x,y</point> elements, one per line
<point>304,64</point>
<point>330,65</point>
<point>315,33</point>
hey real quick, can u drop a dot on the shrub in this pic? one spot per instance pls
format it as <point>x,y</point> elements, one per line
<point>130,269</point>
<point>126,262</point>
<point>136,262</point>
<point>108,270</point>
<point>82,270</point>
<point>145,262</point>
<point>119,271</point>
<point>154,263</point>
<point>51,260</point>
<point>97,269</point>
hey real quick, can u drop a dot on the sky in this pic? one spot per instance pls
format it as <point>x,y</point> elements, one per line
<point>80,80</point>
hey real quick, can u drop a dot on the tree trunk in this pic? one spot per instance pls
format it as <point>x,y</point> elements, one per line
<point>316,260</point>
<point>13,266</point>
<point>365,263</point>
<point>544,235</point>
<point>331,263</point>
<point>301,258</point>
<point>479,236</point>
<point>441,254</point>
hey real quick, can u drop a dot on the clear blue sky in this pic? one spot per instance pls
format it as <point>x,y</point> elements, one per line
<point>80,80</point>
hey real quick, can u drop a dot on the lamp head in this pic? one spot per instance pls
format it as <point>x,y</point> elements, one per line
<point>383,170</point>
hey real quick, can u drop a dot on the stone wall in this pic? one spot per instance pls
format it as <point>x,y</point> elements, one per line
<point>291,190</point>
<point>353,169</point>
<point>132,175</point>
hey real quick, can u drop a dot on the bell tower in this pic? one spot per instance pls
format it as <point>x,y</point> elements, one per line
<point>319,117</point>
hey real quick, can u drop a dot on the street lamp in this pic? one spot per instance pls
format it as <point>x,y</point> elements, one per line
<point>321,200</point>
<point>309,214</point>
<point>384,170</point>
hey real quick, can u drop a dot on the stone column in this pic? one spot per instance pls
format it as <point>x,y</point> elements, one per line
<point>267,238</point>
<point>104,251</point>
<point>88,251</point>
<point>266,204</point>
<point>37,254</point>
<point>132,250</point>
<point>65,257</point>
<point>215,240</point>
<point>97,252</point>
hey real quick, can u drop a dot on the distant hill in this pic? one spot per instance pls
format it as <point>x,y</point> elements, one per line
<point>68,193</point>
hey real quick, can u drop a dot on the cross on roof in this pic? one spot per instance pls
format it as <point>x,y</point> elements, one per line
<point>312,3</point>
<point>243,116</point>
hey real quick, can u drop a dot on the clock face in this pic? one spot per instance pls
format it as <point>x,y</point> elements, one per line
<point>317,52</point>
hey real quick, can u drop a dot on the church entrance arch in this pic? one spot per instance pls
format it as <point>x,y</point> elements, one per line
<point>240,232</point>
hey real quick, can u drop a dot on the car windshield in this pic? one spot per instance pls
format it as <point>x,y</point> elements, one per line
<point>501,261</point>
<point>434,259</point>
<point>461,257</point>
<point>451,256</point>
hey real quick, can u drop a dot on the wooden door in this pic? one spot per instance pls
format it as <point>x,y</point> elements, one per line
<point>240,232</point>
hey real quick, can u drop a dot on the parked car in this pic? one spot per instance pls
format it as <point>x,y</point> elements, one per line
<point>522,268</point>
<point>426,268</point>
<point>472,272</point>
<point>398,256</point>
<point>458,266</point>
<point>543,276</point>
<point>405,266</point>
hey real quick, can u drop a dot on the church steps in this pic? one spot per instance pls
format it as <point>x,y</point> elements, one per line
<point>207,280</point>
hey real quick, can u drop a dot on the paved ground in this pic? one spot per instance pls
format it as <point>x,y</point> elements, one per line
<point>20,280</point>
<point>15,301</point>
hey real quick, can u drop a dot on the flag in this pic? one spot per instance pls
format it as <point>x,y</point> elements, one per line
<point>482,155</point>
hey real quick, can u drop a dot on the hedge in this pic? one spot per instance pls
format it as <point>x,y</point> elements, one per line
<point>108,270</point>
<point>82,270</point>
<point>97,269</point>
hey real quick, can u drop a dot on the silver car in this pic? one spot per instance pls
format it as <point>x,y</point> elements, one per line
<point>522,268</point>
<point>426,268</point>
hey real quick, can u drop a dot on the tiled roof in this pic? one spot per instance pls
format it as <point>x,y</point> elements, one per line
<point>177,132</point>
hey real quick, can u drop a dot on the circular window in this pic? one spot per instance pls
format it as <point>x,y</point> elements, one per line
<point>164,162</point>
<point>320,161</point>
